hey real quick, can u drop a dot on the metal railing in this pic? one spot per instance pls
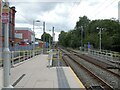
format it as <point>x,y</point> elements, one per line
<point>105,55</point>
<point>19,47</point>
<point>19,56</point>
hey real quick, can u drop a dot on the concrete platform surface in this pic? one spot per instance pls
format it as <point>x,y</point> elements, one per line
<point>34,73</point>
<point>1,78</point>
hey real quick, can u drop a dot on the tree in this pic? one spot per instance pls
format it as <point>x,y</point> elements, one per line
<point>109,37</point>
<point>46,37</point>
<point>110,34</point>
<point>61,38</point>
<point>83,21</point>
<point>81,28</point>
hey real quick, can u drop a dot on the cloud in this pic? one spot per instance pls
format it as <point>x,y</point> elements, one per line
<point>54,14</point>
<point>93,3</point>
<point>62,14</point>
<point>45,1</point>
<point>34,9</point>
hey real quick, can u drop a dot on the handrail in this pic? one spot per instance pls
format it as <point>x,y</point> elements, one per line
<point>19,56</point>
<point>108,55</point>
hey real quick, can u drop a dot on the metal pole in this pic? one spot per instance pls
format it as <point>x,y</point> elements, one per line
<point>58,58</point>
<point>33,39</point>
<point>43,37</point>
<point>100,42</point>
<point>53,38</point>
<point>6,61</point>
<point>12,58</point>
<point>34,36</point>
<point>100,39</point>
<point>19,57</point>
<point>49,40</point>
<point>81,37</point>
<point>6,51</point>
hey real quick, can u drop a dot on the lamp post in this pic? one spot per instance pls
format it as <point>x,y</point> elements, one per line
<point>81,37</point>
<point>49,40</point>
<point>53,35</point>
<point>34,35</point>
<point>6,51</point>
<point>44,37</point>
<point>100,43</point>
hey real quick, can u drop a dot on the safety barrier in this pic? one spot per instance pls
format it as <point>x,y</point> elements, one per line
<point>19,47</point>
<point>105,55</point>
<point>19,56</point>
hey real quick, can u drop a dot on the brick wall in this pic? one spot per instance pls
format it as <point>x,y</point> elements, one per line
<point>26,33</point>
<point>0,25</point>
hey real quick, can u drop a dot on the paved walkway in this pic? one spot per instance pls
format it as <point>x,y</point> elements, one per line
<point>1,78</point>
<point>34,73</point>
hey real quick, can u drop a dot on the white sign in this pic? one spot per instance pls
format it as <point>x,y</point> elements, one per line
<point>18,35</point>
<point>25,40</point>
<point>32,37</point>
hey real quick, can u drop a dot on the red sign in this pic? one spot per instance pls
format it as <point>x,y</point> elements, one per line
<point>5,17</point>
<point>5,14</point>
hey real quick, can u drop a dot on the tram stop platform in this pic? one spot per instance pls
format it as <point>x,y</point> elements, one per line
<point>35,73</point>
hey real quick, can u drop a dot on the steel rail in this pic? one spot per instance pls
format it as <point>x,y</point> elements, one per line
<point>107,86</point>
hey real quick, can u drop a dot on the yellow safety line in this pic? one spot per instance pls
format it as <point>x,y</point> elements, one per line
<point>80,83</point>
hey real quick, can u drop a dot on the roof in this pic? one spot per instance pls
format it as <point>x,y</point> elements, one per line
<point>23,28</point>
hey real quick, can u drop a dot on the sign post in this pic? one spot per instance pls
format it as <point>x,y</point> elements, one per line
<point>5,13</point>
<point>6,51</point>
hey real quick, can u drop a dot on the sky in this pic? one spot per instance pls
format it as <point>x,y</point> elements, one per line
<point>61,14</point>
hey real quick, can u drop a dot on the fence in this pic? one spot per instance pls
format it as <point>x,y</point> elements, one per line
<point>19,47</point>
<point>19,56</point>
<point>112,56</point>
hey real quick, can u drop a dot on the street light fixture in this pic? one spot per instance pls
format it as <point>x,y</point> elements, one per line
<point>100,43</point>
<point>43,36</point>
<point>53,39</point>
<point>34,35</point>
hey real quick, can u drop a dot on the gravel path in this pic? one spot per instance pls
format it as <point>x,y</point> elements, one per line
<point>84,76</point>
<point>111,79</point>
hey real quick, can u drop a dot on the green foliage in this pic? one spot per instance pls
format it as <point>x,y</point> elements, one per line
<point>93,39</point>
<point>46,37</point>
<point>110,34</point>
<point>62,37</point>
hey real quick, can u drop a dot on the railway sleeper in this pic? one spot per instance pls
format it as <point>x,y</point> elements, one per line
<point>113,68</point>
<point>95,88</point>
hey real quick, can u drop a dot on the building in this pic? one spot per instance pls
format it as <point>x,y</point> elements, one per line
<point>12,25</point>
<point>0,30</point>
<point>12,12</point>
<point>23,34</point>
<point>0,26</point>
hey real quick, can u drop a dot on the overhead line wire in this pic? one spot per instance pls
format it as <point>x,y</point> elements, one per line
<point>98,13</point>
<point>101,4</point>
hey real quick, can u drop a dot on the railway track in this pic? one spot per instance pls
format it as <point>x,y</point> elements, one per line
<point>101,80</point>
<point>104,64</point>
